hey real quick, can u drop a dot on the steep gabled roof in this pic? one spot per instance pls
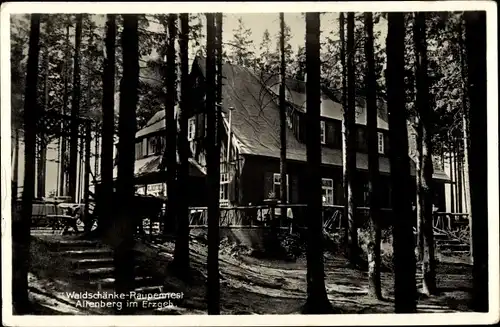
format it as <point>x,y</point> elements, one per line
<point>256,125</point>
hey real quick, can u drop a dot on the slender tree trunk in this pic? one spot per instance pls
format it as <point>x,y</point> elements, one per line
<point>62,170</point>
<point>459,177</point>
<point>452,185</point>
<point>42,156</point>
<point>345,216</point>
<point>124,225</point>
<point>15,173</point>
<point>181,254</point>
<point>75,111</point>
<point>283,125</point>
<point>21,228</point>
<point>419,203</point>
<point>317,299</point>
<point>170,155</point>
<point>475,29</point>
<point>86,178</point>
<point>404,256</point>
<point>374,241</point>
<point>465,125</point>
<point>105,194</point>
<point>427,127</point>
<point>350,135</point>
<point>455,173</point>
<point>213,172</point>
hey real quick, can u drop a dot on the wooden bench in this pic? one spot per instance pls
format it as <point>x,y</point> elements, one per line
<point>63,222</point>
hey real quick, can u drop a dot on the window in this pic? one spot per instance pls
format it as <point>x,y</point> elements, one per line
<point>138,150</point>
<point>277,186</point>
<point>323,132</point>
<point>380,142</point>
<point>191,128</point>
<point>327,190</point>
<point>224,185</point>
<point>156,144</point>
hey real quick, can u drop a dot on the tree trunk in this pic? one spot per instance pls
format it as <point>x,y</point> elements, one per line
<point>403,244</point>
<point>75,111</point>
<point>105,194</point>
<point>213,174</point>
<point>475,27</point>
<point>426,128</point>
<point>455,174</point>
<point>15,173</point>
<point>170,154</point>
<point>350,135</point>
<point>317,300</point>
<point>42,157</point>
<point>124,224</point>
<point>374,241</point>
<point>466,130</point>
<point>181,253</point>
<point>459,177</point>
<point>62,163</point>
<point>452,184</point>
<point>283,125</point>
<point>21,228</point>
<point>86,179</point>
<point>345,216</point>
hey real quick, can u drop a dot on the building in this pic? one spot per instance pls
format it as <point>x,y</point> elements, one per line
<point>251,145</point>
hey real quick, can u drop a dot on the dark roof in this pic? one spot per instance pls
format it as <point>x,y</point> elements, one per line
<point>256,125</point>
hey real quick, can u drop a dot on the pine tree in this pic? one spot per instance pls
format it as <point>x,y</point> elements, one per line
<point>242,47</point>
<point>317,299</point>
<point>75,110</point>
<point>21,228</point>
<point>404,258</point>
<point>475,43</point>
<point>373,163</point>
<point>425,191</point>
<point>282,104</point>
<point>181,253</point>
<point>105,193</point>
<point>350,140</point>
<point>123,225</point>
<point>213,173</point>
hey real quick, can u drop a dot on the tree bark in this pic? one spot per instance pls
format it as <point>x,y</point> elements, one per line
<point>62,164</point>
<point>475,27</point>
<point>403,244</point>
<point>124,224</point>
<point>213,174</point>
<point>345,216</point>
<point>86,178</point>
<point>350,136</point>
<point>317,299</point>
<point>21,228</point>
<point>181,253</point>
<point>283,125</point>
<point>427,169</point>
<point>105,193</point>
<point>452,185</point>
<point>75,111</point>
<point>374,286</point>
<point>459,177</point>
<point>466,129</point>
<point>15,173</point>
<point>170,155</point>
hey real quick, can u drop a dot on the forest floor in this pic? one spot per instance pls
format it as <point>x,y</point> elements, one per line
<point>251,285</point>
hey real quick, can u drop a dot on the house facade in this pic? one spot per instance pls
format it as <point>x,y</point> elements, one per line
<point>250,151</point>
<point>250,144</point>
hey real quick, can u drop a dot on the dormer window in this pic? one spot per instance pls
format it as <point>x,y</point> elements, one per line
<point>323,132</point>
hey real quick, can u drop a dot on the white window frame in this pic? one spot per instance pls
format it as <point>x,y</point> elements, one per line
<point>224,190</point>
<point>328,189</point>
<point>277,182</point>
<point>191,128</point>
<point>323,132</point>
<point>380,142</point>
